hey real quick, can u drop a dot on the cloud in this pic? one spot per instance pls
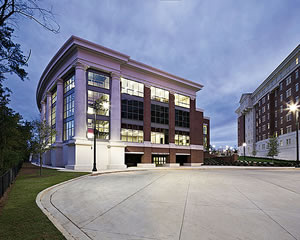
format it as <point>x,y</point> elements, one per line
<point>228,46</point>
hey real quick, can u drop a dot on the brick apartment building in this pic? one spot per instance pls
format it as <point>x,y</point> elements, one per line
<point>148,117</point>
<point>265,112</point>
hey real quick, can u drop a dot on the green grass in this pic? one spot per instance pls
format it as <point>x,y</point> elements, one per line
<point>21,218</point>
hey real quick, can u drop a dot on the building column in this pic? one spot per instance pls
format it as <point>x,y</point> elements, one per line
<point>59,111</point>
<point>115,118</point>
<point>43,110</point>
<point>116,147</point>
<point>48,109</point>
<point>172,153</point>
<point>80,102</point>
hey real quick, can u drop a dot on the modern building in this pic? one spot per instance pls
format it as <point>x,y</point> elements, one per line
<point>265,112</point>
<point>146,117</point>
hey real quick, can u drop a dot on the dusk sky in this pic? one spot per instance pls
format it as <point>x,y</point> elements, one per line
<point>229,46</point>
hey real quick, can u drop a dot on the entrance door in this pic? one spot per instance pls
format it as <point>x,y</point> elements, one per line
<point>159,160</point>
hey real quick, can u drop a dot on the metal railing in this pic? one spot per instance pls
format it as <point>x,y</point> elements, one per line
<point>8,178</point>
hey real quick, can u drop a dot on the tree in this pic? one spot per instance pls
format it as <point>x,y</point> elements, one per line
<point>273,146</point>
<point>12,59</point>
<point>254,152</point>
<point>41,139</point>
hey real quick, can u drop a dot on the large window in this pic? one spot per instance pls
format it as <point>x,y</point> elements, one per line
<point>159,136</point>
<point>159,94</point>
<point>132,133</point>
<point>205,129</point>
<point>103,103</point>
<point>182,118</point>
<point>68,130</point>
<point>69,106</point>
<point>159,114</point>
<point>69,84</point>
<point>182,138</point>
<point>102,129</point>
<point>132,88</point>
<point>182,101</point>
<point>98,80</point>
<point>132,109</point>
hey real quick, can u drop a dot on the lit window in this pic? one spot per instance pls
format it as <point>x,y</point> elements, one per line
<point>281,131</point>
<point>102,129</point>
<point>69,106</point>
<point>182,138</point>
<point>53,114</point>
<point>182,101</point>
<point>103,100</point>
<point>159,94</point>
<point>132,133</point>
<point>159,136</point>
<point>205,129</point>
<point>297,61</point>
<point>69,84</point>
<point>98,80</point>
<point>68,130</point>
<point>132,88</point>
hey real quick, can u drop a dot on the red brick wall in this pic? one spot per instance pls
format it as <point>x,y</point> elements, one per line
<point>196,156</point>
<point>171,118</point>
<point>147,114</point>
<point>196,125</point>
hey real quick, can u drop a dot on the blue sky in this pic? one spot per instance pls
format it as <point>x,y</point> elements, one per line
<point>229,46</point>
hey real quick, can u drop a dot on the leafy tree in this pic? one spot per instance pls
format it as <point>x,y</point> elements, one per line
<point>41,139</point>
<point>273,146</point>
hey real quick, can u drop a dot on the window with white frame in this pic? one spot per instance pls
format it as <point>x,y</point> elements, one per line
<point>263,118</point>
<point>276,113</point>
<point>281,97</point>
<point>281,120</point>
<point>288,80</point>
<point>281,108</point>
<point>297,61</point>
<point>297,87</point>
<point>268,125</point>
<point>289,117</point>
<point>297,99</point>
<point>281,131</point>
<point>275,103</point>
<point>289,129</point>
<point>280,86</point>
<point>263,109</point>
<point>297,74</point>
<point>268,106</point>
<point>264,127</point>
<point>263,100</point>
<point>275,123</point>
<point>288,92</point>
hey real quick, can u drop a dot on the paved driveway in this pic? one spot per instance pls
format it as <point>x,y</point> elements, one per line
<point>182,204</point>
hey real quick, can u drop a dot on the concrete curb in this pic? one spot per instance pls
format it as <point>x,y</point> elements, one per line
<point>69,230</point>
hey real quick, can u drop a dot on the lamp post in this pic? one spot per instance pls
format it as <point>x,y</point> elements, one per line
<point>294,108</point>
<point>99,104</point>
<point>244,147</point>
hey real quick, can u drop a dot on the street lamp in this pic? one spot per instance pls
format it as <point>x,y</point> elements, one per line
<point>294,108</point>
<point>99,104</point>
<point>244,147</point>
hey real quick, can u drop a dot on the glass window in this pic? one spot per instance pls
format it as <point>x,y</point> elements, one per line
<point>69,106</point>
<point>102,129</point>
<point>54,97</point>
<point>132,109</point>
<point>182,118</point>
<point>69,84</point>
<point>159,136</point>
<point>159,94</point>
<point>182,138</point>
<point>53,114</point>
<point>132,133</point>
<point>297,74</point>
<point>98,80</point>
<point>132,88</point>
<point>205,129</point>
<point>68,130</point>
<point>103,106</point>
<point>159,114</point>
<point>288,92</point>
<point>182,101</point>
<point>288,80</point>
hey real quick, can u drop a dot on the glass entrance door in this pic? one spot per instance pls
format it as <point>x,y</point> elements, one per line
<point>159,160</point>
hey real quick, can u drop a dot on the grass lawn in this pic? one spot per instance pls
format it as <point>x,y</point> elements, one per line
<point>21,218</point>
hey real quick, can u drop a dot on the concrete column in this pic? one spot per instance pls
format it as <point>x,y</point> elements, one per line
<point>80,110</point>
<point>48,109</point>
<point>115,113</point>
<point>43,111</point>
<point>59,110</point>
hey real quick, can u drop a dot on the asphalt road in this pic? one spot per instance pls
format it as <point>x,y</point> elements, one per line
<point>211,204</point>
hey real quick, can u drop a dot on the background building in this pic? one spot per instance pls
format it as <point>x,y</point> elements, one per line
<point>265,112</point>
<point>147,116</point>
